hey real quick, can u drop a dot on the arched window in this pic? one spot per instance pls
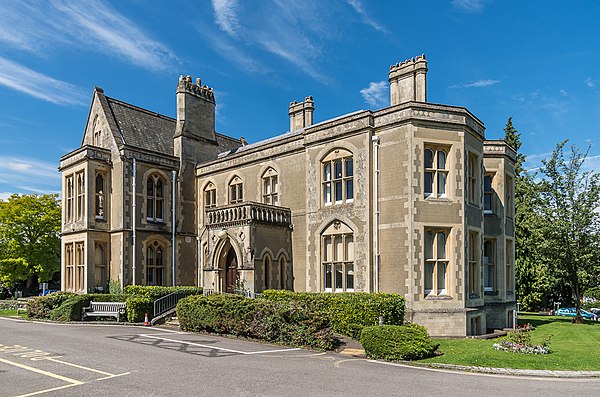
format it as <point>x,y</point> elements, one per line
<point>69,266</point>
<point>210,196</point>
<point>338,177</point>
<point>97,133</point>
<point>267,272</point>
<point>236,190</point>
<point>70,193</point>
<point>270,187</point>
<point>337,258</point>
<point>100,198</point>
<point>155,268</point>
<point>282,272</point>
<point>155,199</point>
<point>80,195</point>
<point>79,267</point>
<point>100,266</point>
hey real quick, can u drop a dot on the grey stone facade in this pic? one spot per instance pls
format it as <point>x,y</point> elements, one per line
<point>410,199</point>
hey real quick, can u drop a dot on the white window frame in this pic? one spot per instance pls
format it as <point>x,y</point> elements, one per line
<point>436,263</point>
<point>331,179</point>
<point>437,170</point>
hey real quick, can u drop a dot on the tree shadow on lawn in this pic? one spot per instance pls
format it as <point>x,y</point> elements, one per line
<point>537,320</point>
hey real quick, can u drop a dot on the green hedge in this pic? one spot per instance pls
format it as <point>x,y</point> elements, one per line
<point>285,323</point>
<point>67,306</point>
<point>350,311</point>
<point>394,343</point>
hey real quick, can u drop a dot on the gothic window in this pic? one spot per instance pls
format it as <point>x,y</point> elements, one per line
<point>70,193</point>
<point>236,190</point>
<point>100,197</point>
<point>155,268</point>
<point>337,258</point>
<point>282,272</point>
<point>508,197</point>
<point>474,272</point>
<point>488,194</point>
<point>489,263</point>
<point>436,262</point>
<point>79,267</point>
<point>267,272</point>
<point>270,187</point>
<point>80,179</point>
<point>155,199</point>
<point>472,177</point>
<point>436,172</point>
<point>210,196</point>
<point>338,177</point>
<point>69,267</point>
<point>100,266</point>
<point>97,133</point>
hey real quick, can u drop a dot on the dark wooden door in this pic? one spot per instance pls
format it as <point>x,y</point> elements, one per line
<point>230,271</point>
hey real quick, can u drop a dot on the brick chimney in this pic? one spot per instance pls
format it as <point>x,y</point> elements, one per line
<point>408,81</point>
<point>195,110</point>
<point>301,114</point>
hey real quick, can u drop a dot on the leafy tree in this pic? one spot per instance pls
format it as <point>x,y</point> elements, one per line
<point>29,238</point>
<point>570,199</point>
<point>533,281</point>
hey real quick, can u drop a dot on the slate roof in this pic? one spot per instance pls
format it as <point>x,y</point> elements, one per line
<point>142,128</point>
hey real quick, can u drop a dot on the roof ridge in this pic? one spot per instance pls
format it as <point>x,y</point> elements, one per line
<point>140,109</point>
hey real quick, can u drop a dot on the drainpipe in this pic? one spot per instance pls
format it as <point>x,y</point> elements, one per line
<point>133,217</point>
<point>375,140</point>
<point>173,225</point>
<point>199,261</point>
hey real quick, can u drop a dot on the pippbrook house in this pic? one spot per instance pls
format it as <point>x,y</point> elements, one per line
<point>410,199</point>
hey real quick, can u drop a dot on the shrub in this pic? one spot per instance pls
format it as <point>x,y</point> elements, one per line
<point>394,342</point>
<point>349,311</point>
<point>41,306</point>
<point>286,323</point>
<point>137,307</point>
<point>71,309</point>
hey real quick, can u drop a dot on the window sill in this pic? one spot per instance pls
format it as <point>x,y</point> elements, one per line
<point>473,295</point>
<point>438,297</point>
<point>438,199</point>
<point>490,293</point>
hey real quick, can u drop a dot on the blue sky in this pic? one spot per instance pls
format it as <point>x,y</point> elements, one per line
<point>534,60</point>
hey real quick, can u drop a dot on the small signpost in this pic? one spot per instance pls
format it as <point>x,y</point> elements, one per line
<point>43,287</point>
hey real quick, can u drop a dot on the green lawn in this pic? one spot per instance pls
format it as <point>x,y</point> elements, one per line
<point>573,347</point>
<point>7,313</point>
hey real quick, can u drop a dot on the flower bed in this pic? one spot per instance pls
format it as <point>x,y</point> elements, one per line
<point>519,341</point>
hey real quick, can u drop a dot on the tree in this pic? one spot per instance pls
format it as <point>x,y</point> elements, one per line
<point>570,199</point>
<point>29,238</point>
<point>533,284</point>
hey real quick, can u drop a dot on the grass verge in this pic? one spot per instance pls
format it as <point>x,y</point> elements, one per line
<point>9,313</point>
<point>573,347</point>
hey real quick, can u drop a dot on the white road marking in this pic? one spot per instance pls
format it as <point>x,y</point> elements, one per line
<point>46,391</point>
<point>215,347</point>
<point>80,367</point>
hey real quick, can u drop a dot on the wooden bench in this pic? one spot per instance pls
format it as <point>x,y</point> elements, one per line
<point>104,309</point>
<point>22,304</point>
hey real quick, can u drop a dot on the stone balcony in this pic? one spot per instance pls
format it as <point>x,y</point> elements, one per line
<point>246,213</point>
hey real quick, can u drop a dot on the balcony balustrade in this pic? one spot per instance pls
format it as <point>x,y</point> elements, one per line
<point>247,213</point>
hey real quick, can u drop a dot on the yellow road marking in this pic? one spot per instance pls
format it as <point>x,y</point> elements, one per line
<point>42,372</point>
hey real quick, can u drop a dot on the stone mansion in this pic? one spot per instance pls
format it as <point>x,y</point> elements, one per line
<point>410,199</point>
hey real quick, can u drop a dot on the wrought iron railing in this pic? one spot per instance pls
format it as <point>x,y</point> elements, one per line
<point>168,302</point>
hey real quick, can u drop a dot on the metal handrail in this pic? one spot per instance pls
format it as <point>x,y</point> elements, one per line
<point>168,302</point>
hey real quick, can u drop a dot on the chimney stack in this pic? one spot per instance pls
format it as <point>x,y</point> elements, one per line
<point>195,110</point>
<point>301,114</point>
<point>408,81</point>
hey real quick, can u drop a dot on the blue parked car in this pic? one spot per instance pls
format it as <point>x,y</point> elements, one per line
<point>48,292</point>
<point>571,312</point>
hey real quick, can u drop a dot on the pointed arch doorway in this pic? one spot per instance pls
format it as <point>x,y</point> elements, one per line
<point>231,265</point>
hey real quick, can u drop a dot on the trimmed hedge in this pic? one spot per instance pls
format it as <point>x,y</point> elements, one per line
<point>395,343</point>
<point>285,323</point>
<point>67,306</point>
<point>348,312</point>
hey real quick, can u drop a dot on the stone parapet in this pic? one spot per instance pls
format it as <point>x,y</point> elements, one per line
<point>247,213</point>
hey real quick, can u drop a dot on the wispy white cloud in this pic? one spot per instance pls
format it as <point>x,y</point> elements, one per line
<point>27,81</point>
<point>358,7</point>
<point>40,176</point>
<point>291,30</point>
<point>478,83</point>
<point>376,94</point>
<point>590,82</point>
<point>226,16</point>
<point>563,92</point>
<point>92,25</point>
<point>5,195</point>
<point>474,6</point>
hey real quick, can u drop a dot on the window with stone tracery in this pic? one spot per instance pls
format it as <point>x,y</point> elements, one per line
<point>337,258</point>
<point>155,198</point>
<point>337,177</point>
